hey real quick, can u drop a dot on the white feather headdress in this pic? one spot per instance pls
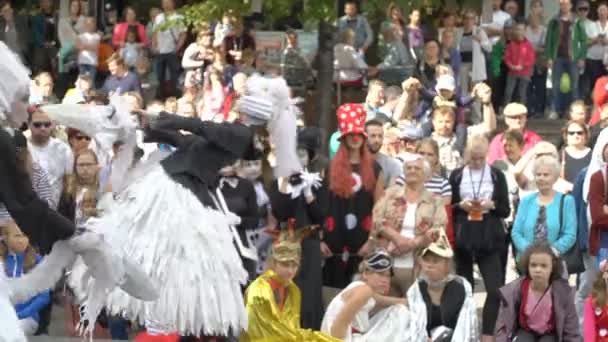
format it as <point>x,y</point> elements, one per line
<point>268,100</point>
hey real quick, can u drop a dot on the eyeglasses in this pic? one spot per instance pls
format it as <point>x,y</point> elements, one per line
<point>45,124</point>
<point>82,137</point>
<point>576,133</point>
<point>86,165</point>
<point>583,9</point>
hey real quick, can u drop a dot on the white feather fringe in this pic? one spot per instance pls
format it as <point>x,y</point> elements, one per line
<point>10,330</point>
<point>183,247</point>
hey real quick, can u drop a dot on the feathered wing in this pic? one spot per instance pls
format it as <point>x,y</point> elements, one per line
<point>14,86</point>
<point>106,125</point>
<point>10,331</point>
<point>44,276</point>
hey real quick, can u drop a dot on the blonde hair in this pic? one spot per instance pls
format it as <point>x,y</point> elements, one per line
<point>476,143</point>
<point>29,259</point>
<point>73,184</point>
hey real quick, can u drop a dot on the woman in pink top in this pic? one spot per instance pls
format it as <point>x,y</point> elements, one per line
<point>595,318</point>
<point>119,37</point>
<point>540,305</point>
<point>214,94</point>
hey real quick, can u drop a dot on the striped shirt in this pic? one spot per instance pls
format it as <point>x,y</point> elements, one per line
<point>436,185</point>
<point>42,187</point>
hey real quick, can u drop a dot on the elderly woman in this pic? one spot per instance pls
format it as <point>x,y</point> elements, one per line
<point>349,315</point>
<point>481,201</point>
<point>523,170</point>
<point>443,302</point>
<point>407,215</point>
<point>539,214</point>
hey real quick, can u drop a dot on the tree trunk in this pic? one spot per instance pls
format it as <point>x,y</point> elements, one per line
<point>324,86</point>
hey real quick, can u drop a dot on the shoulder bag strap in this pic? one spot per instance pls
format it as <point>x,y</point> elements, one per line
<point>561,211</point>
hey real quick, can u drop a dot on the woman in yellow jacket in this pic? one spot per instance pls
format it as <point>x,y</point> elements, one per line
<point>273,300</point>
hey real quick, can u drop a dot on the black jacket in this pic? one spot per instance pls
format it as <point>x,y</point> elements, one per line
<point>485,235</point>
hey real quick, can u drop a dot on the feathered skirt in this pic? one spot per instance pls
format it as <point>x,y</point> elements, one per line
<point>184,247</point>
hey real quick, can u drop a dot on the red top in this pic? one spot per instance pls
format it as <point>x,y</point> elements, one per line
<point>120,34</point>
<point>600,97</point>
<point>599,220</point>
<point>520,53</point>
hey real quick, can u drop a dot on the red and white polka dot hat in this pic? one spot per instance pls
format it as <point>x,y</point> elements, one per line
<point>351,119</point>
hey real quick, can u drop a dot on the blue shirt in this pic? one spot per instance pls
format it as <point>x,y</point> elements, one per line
<point>30,309</point>
<point>125,84</point>
<point>525,221</point>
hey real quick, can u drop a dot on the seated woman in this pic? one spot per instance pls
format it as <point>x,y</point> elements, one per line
<point>19,257</point>
<point>349,315</point>
<point>273,300</point>
<point>443,303</point>
<point>540,305</point>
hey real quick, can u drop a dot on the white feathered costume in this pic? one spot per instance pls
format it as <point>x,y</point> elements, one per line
<point>183,245</point>
<point>31,213</point>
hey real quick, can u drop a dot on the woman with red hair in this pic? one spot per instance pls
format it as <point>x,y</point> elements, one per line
<point>354,183</point>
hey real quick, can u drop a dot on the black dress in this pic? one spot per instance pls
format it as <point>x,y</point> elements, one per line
<point>309,278</point>
<point>447,312</point>
<point>347,227</point>
<point>242,201</point>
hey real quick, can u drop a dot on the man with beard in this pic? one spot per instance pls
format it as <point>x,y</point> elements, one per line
<point>375,140</point>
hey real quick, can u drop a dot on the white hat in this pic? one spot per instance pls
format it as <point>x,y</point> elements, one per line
<point>445,82</point>
<point>515,109</point>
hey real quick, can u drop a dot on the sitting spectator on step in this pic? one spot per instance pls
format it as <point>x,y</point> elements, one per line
<point>516,117</point>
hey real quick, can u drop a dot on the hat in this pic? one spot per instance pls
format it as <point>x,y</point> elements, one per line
<point>515,109</point>
<point>440,247</point>
<point>351,119</point>
<point>411,133</point>
<point>287,245</point>
<point>445,82</point>
<point>379,261</point>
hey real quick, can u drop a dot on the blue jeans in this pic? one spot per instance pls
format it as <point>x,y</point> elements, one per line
<point>118,327</point>
<point>167,67</point>
<point>561,66</point>
<point>91,70</point>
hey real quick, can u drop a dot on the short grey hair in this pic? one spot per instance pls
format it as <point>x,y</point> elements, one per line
<point>549,161</point>
<point>426,166</point>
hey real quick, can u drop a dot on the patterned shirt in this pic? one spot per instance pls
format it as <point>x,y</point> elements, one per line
<point>42,187</point>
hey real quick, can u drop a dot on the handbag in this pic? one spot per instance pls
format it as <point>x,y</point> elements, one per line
<point>573,257</point>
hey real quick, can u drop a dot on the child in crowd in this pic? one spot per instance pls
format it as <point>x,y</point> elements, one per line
<point>223,29</point>
<point>147,78</point>
<point>539,306</point>
<point>132,49</point>
<point>595,326</point>
<point>520,58</point>
<point>19,257</point>
<point>171,105</point>
<point>88,47</point>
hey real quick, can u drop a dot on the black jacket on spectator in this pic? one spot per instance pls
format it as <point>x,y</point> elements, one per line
<point>486,235</point>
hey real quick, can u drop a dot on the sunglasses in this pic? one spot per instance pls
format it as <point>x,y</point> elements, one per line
<point>576,133</point>
<point>45,124</point>
<point>82,137</point>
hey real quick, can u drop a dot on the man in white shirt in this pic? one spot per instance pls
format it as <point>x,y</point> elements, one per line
<point>499,17</point>
<point>166,42</point>
<point>53,155</point>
